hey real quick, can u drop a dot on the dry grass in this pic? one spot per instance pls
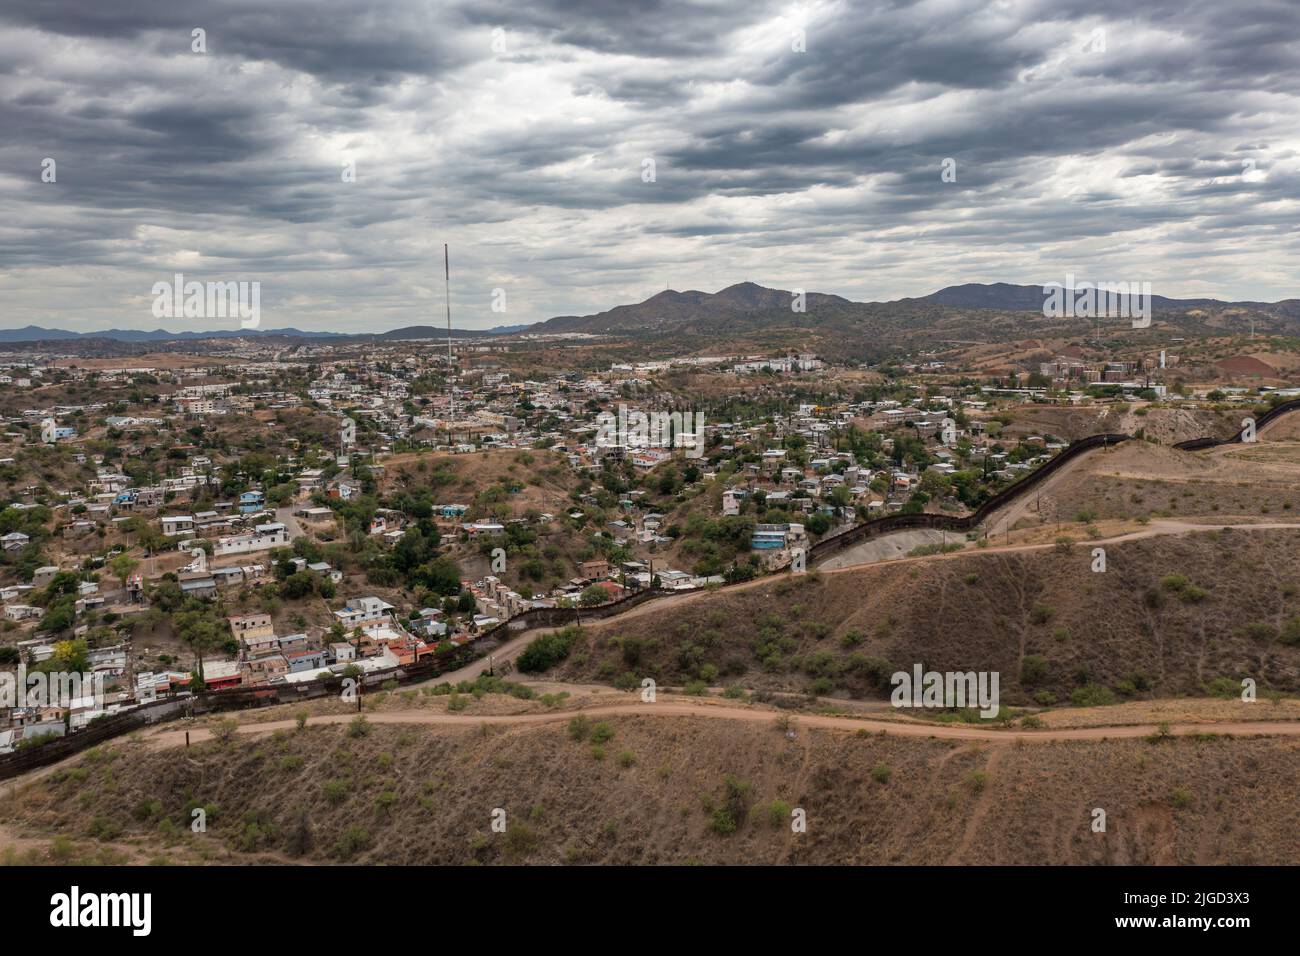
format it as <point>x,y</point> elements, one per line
<point>986,611</point>
<point>421,796</point>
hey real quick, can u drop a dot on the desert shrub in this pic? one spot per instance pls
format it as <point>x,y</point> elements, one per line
<point>579,728</point>
<point>1033,670</point>
<point>778,812</point>
<point>1092,695</point>
<point>147,810</point>
<point>547,651</point>
<point>298,841</point>
<point>223,731</point>
<point>336,791</point>
<point>730,814</point>
<point>520,840</point>
<point>1259,631</point>
<point>1224,687</point>
<point>352,841</point>
<point>1290,633</point>
<point>632,649</point>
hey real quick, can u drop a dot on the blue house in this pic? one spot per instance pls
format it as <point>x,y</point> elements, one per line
<point>768,537</point>
<point>251,501</point>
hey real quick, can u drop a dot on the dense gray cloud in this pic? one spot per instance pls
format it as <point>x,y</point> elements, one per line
<point>794,145</point>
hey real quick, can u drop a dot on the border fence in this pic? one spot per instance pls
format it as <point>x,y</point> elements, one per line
<point>267,695</point>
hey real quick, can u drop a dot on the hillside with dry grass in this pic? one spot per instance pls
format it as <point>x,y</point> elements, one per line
<point>1165,425</point>
<point>657,790</point>
<point>1176,614</point>
<point>1141,480</point>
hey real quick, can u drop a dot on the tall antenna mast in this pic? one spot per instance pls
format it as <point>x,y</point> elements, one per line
<point>451,387</point>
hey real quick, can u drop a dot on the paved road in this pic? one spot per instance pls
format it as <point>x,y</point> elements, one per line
<point>286,517</point>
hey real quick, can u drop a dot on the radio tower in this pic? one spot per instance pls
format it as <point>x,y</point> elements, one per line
<point>451,386</point>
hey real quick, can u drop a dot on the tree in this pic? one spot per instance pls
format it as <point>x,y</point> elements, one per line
<point>200,631</point>
<point>592,596</point>
<point>297,585</point>
<point>60,615</point>
<point>122,567</point>
<point>69,657</point>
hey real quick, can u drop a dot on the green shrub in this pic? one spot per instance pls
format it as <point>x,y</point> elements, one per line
<point>352,841</point>
<point>1033,670</point>
<point>728,817</point>
<point>336,791</point>
<point>547,651</point>
<point>520,840</point>
<point>778,812</point>
<point>1092,695</point>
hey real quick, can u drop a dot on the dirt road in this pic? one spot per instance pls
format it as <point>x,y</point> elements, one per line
<point>681,708</point>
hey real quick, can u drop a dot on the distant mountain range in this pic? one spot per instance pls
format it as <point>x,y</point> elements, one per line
<point>1008,297</point>
<point>745,306</point>
<point>36,333</point>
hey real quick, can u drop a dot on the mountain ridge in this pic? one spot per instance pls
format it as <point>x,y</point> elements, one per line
<point>688,310</point>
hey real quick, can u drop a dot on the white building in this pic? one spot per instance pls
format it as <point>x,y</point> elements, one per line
<point>261,538</point>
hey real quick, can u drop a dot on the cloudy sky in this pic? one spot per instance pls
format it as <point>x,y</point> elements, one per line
<point>795,145</point>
